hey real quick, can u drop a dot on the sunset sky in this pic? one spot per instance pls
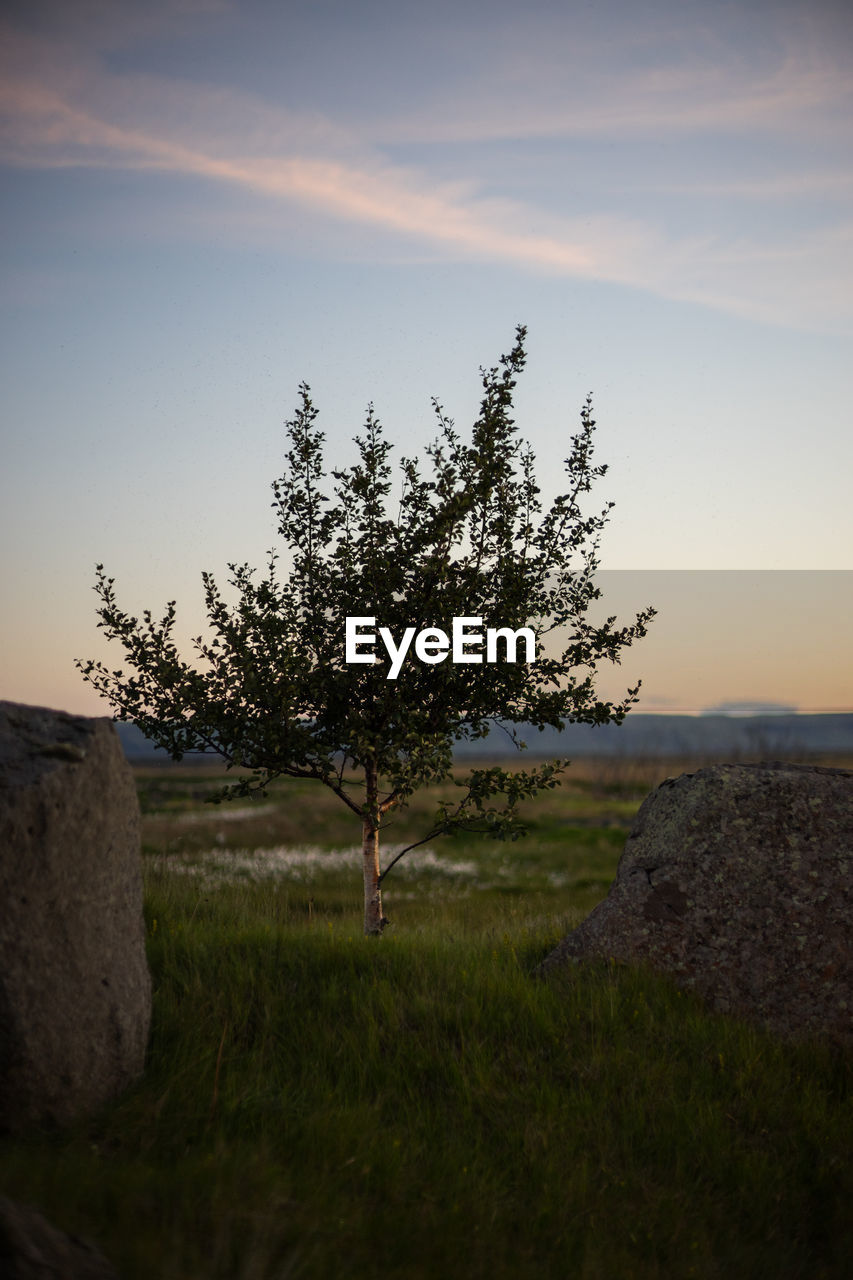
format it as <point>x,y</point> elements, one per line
<point>206,202</point>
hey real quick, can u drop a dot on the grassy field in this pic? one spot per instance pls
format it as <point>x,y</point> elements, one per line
<point>321,1105</point>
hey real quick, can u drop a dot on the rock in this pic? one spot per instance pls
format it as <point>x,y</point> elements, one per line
<point>32,1249</point>
<point>738,882</point>
<point>75,991</point>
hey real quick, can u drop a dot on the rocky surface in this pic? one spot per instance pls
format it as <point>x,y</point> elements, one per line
<point>75,991</point>
<point>32,1249</point>
<point>738,882</point>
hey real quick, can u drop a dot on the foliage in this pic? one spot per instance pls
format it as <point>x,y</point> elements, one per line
<point>273,693</point>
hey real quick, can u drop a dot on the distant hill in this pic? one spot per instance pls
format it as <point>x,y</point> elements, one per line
<point>662,735</point>
<point>136,746</point>
<point>640,735</point>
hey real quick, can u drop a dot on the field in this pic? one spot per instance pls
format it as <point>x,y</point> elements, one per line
<point>320,1105</point>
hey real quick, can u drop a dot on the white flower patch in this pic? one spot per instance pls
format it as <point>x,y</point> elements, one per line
<point>221,813</point>
<point>304,863</point>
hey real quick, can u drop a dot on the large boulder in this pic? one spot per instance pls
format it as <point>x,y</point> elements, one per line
<point>738,881</point>
<point>75,991</point>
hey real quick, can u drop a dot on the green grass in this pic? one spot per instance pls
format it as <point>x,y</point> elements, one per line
<point>320,1105</point>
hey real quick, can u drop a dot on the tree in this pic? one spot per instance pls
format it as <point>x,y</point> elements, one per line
<point>274,693</point>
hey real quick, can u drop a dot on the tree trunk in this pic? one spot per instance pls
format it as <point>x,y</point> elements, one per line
<point>374,920</point>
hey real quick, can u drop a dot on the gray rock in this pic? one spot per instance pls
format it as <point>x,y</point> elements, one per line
<point>32,1249</point>
<point>75,991</point>
<point>738,882</point>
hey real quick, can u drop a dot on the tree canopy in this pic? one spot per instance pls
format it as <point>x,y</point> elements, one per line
<point>465,536</point>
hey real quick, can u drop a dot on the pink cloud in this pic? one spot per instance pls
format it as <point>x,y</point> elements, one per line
<point>61,108</point>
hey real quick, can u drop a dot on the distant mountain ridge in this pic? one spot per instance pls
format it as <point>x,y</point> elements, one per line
<point>639,735</point>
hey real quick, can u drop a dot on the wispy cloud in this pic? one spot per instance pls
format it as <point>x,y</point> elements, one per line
<point>799,184</point>
<point>675,70</point>
<point>61,107</point>
<point>51,132</point>
<point>664,103</point>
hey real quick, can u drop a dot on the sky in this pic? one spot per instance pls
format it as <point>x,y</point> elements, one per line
<point>206,202</point>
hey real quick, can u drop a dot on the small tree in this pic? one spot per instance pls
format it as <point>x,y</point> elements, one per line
<point>274,694</point>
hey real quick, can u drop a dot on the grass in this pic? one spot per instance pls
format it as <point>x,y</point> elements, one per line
<point>319,1105</point>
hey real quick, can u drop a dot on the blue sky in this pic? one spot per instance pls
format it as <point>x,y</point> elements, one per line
<point>205,203</point>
